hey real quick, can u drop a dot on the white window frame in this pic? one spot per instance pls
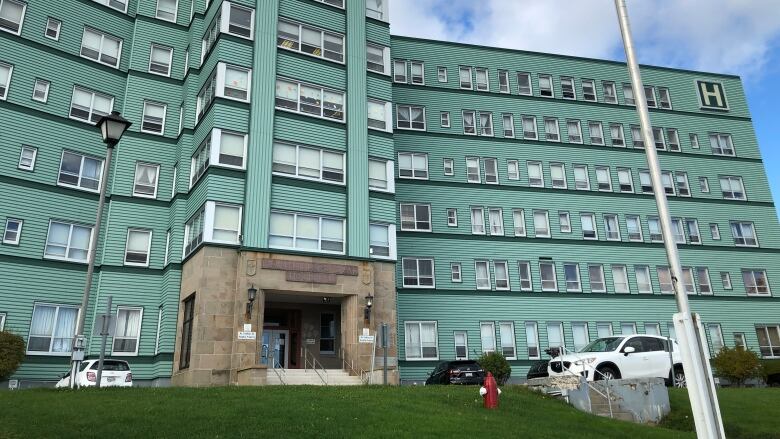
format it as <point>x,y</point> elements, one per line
<point>491,170</point>
<point>452,217</point>
<point>673,139</point>
<point>490,346</point>
<point>559,327</point>
<point>578,182</point>
<point>552,135</point>
<point>609,97</point>
<point>612,235</point>
<point>566,89</point>
<point>704,185</point>
<point>732,194</point>
<point>413,157</point>
<point>46,84</point>
<point>694,234</point>
<point>439,71</point>
<point>470,85</point>
<point>485,129</point>
<point>110,3</point>
<point>513,169</point>
<point>449,166</point>
<point>638,222</point>
<point>78,186</point>
<point>297,174</point>
<point>628,95</point>
<point>503,75</point>
<point>501,283</point>
<point>596,127</point>
<point>299,41</point>
<point>415,212</point>
<point>21,17</point>
<point>508,125</point>
<point>739,231</point>
<point>170,59</point>
<point>592,85</point>
<point>546,92</point>
<point>225,22</point>
<point>54,25</point>
<point>547,224</point>
<point>34,152</point>
<point>68,244</point>
<point>456,272</point>
<point>49,352</point>
<point>576,287</point>
<point>518,222</point>
<point>444,119</point>
<point>91,104</point>
<point>471,164</point>
<point>564,221</point>
<point>626,186</point>
<point>297,110</point>
<point>527,91</point>
<point>554,276</point>
<point>103,37</point>
<point>156,180</point>
<point>469,129</point>
<point>578,136</point>
<point>507,344</point>
<point>464,335</point>
<point>583,329</point>
<point>136,338</point>
<point>417,269</point>
<point>523,269</point>
<point>12,241</point>
<point>617,128</point>
<point>411,127</point>
<point>532,340</point>
<point>603,281</point>
<point>530,135</point>
<point>162,124</point>
<point>481,86</point>
<point>400,71</point>
<point>391,242</point>
<point>715,231</point>
<point>600,182</point>
<point>722,144</point>
<point>703,280</point>
<point>561,182</point>
<point>664,98</point>
<point>771,348</point>
<point>207,218</point>
<point>484,282</point>
<point>386,62</point>
<point>148,254</point>
<point>620,287</point>
<point>694,139</point>
<point>175,12</point>
<point>537,181</point>
<point>643,287</point>
<point>595,229</point>
<point>319,237</point>
<point>496,221</point>
<point>477,228</point>
<point>389,176</point>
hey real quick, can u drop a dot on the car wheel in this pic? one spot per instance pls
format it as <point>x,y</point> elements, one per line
<point>606,373</point>
<point>679,378</point>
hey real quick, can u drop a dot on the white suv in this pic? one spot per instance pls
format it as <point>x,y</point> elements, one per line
<point>116,373</point>
<point>628,356</point>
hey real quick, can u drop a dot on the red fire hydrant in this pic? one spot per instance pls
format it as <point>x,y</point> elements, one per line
<point>490,392</point>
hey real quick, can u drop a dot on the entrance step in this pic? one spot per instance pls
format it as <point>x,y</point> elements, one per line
<point>297,377</point>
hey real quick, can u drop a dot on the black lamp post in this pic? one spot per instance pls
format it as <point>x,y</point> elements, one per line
<point>367,311</point>
<point>252,293</point>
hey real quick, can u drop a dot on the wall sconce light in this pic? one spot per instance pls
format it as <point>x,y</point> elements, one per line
<point>252,292</point>
<point>369,304</point>
<point>325,299</point>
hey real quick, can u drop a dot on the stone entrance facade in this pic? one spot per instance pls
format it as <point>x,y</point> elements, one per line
<point>216,281</point>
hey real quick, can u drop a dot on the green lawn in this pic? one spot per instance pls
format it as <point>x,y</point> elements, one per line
<point>341,412</point>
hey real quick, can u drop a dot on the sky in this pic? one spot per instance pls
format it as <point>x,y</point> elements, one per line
<point>739,37</point>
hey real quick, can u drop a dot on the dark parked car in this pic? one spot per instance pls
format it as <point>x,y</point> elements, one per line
<point>457,372</point>
<point>538,370</point>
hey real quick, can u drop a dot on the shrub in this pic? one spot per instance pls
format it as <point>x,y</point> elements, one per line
<point>11,353</point>
<point>737,365</point>
<point>496,364</point>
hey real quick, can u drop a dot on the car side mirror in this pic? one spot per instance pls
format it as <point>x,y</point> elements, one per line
<point>628,350</point>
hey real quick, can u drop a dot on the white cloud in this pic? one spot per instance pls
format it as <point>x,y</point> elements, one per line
<point>734,36</point>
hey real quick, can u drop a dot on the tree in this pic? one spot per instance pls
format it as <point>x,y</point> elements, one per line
<point>737,365</point>
<point>496,364</point>
<point>11,353</point>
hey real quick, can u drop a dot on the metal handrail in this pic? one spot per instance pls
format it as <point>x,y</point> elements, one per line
<point>315,365</point>
<point>279,371</point>
<point>350,365</point>
<point>562,351</point>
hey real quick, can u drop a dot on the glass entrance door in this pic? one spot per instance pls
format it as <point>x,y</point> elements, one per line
<point>275,351</point>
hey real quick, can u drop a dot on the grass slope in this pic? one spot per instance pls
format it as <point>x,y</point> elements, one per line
<point>289,412</point>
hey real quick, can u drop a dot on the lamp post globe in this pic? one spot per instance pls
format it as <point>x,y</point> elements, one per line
<point>112,127</point>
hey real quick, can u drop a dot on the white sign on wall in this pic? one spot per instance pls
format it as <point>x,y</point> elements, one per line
<point>247,335</point>
<point>366,339</point>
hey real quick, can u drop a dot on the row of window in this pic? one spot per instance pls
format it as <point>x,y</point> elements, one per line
<point>422,338</point>
<point>420,273</point>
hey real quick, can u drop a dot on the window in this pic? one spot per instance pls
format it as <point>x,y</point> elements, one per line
<point>482,273</point>
<point>652,329</point>
<point>658,139</point>
<point>12,15</point>
<point>101,47</point>
<point>574,129</point>
<point>482,79</point>
<point>547,273</point>
<point>643,279</point>
<point>306,232</point>
<point>327,333</point>
<point>418,72</point>
<point>160,60</point>
<point>567,87</point>
<point>461,345</point>
<point>551,130</point>
<point>636,134</point>
<point>616,131</point>
<point>581,180</point>
<point>53,27</point>
<point>589,90</point>
<point>541,224</point>
<point>716,337</point>
<point>596,133</point>
<point>721,144</point>
<point>167,248</point>
<point>378,59</point>
<point>456,272</point>
<point>604,179</point>
<point>532,340</point>
<point>535,178</point>
<point>558,175</point>
<point>441,74</point>
<point>739,340</point>
<point>27,158</point>
<point>503,81</point>
<point>604,329</point>
<point>672,331</point>
<point>508,121</point>
<point>52,329</point>
<point>654,224</point>
<point>620,278</point>
<point>650,96</point>
<point>683,189</point>
<point>703,274</point>
<point>444,119</point>
<point>674,139</point>
<point>418,273</point>
<point>744,234</point>
<point>231,152</point>
<point>627,328</point>
<point>580,332</point>
<point>588,222</point>
<point>693,230</point>
<point>465,78</point>
<point>485,124</point>
<point>41,90</point>
<point>309,163</point>
<point>715,231</point>
<point>518,220</point>
<point>555,335</point>
<point>452,217</point>
<point>565,222</point>
<point>678,231</point>
<point>411,165</point>
<point>524,270</point>
<point>2,321</point>
<point>506,330</point>
<point>410,117</point>
<point>421,341</point>
<point>13,231</point>
<point>374,8</point>
<point>694,138</point>
<point>513,169</point>
<point>491,171</point>
<point>768,340</point>
<point>186,331</point>
<point>611,227</point>
<point>628,95</point>
<point>416,217</point>
<point>128,331</point>
<point>496,220</point>
<point>529,128</point>
<point>610,95</point>
<point>546,86</point>
<point>87,105</point>
<point>596,274</point>
<point>166,10</point>
<point>449,167</point>
<point>634,227</point>
<point>689,285</point>
<point>704,185</point>
<point>477,221</point>
<point>311,100</point>
<point>236,86</point>
<point>145,184</point>
<point>472,170</point>
<point>399,71</point>
<point>664,99</point>
<point>138,247</point>
<point>732,188</point>
<point>625,180</point>
<point>80,171</point>
<point>646,182</point>
<point>240,22</point>
<point>668,183</point>
<point>153,118</point>
<point>68,241</point>
<point>502,275</point>
<point>487,335</point>
<point>756,282</point>
<point>469,122</point>
<point>381,241</point>
<point>380,175</point>
<point>571,273</point>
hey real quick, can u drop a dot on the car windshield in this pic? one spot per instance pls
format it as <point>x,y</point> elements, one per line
<point>607,344</point>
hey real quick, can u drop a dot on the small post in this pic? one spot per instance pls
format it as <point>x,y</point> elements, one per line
<point>385,338</point>
<point>103,336</point>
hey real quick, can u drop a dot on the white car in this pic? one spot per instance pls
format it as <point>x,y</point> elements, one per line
<point>625,356</point>
<point>116,373</point>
